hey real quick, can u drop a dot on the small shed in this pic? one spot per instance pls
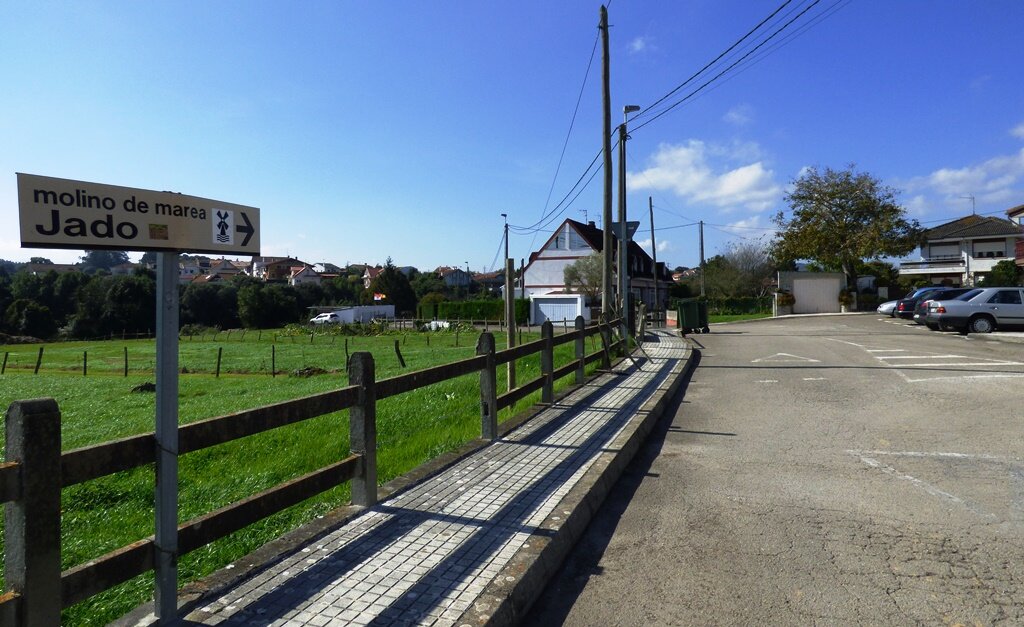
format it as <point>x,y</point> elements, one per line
<point>814,292</point>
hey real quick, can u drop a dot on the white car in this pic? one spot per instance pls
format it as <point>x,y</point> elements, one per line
<point>888,308</point>
<point>325,318</point>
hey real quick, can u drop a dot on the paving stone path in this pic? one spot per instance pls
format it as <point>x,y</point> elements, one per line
<point>425,555</point>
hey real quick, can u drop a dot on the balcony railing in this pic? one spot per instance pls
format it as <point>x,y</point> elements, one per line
<point>947,263</point>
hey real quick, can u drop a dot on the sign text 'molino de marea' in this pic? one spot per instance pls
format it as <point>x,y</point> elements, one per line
<point>61,213</point>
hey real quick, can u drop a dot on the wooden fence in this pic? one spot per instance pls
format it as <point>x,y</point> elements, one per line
<point>36,470</point>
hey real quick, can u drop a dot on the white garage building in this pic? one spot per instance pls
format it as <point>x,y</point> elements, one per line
<point>814,292</point>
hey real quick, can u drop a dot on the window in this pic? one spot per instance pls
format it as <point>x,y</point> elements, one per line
<point>1006,297</point>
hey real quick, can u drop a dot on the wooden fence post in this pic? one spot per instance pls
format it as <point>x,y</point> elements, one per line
<point>32,534</point>
<point>547,362</point>
<point>581,349</point>
<point>220,352</point>
<point>362,426</point>
<point>39,360</point>
<point>606,341</point>
<point>488,388</point>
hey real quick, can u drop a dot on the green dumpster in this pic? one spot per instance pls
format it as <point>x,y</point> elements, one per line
<point>693,316</point>
<point>702,316</point>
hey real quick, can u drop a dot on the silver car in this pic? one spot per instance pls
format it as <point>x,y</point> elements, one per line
<point>979,311</point>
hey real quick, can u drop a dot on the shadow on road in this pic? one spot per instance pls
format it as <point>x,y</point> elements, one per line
<point>567,584</point>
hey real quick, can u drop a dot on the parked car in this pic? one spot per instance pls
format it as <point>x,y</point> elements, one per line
<point>326,318</point>
<point>946,293</point>
<point>981,310</point>
<point>887,308</point>
<point>905,306</point>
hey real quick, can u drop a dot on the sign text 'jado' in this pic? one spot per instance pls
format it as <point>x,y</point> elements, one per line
<point>60,213</point>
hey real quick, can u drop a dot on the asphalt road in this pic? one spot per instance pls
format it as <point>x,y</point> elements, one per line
<point>826,470</point>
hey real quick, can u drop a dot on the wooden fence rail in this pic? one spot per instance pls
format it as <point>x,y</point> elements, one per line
<point>35,471</point>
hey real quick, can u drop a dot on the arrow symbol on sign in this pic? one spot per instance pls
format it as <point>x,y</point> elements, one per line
<point>247,229</point>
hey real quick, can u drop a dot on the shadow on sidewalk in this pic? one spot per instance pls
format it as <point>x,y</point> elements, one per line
<point>486,536</point>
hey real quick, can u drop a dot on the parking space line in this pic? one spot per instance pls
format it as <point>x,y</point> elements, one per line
<point>921,356</point>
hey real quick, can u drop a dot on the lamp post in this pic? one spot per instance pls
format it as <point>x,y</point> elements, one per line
<point>623,233</point>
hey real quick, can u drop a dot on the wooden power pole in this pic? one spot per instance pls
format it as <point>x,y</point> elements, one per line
<point>607,300</point>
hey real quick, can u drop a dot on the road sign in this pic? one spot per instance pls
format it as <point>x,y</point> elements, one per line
<point>631,228</point>
<point>61,213</point>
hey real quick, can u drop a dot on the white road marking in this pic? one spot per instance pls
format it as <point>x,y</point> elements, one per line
<point>965,377</point>
<point>967,363</point>
<point>886,350</point>
<point>768,381</point>
<point>921,357</point>
<point>933,454</point>
<point>784,356</point>
<point>815,379</point>
<point>927,487</point>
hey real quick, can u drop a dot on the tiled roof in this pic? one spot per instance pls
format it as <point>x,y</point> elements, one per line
<point>973,226</point>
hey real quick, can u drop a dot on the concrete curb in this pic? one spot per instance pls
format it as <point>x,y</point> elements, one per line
<point>509,596</point>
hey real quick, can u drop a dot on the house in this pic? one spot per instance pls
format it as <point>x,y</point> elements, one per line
<point>454,277</point>
<point>274,268</point>
<point>492,282</point>
<point>960,252</point>
<point>369,274</point>
<point>225,268</point>
<point>39,269</point>
<point>545,273</point>
<point>1016,215</point>
<point>124,269</point>
<point>188,271</point>
<point>303,275</point>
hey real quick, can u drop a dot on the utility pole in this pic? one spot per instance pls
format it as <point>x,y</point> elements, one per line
<point>508,284</point>
<point>654,256</point>
<point>606,142</point>
<point>702,293</point>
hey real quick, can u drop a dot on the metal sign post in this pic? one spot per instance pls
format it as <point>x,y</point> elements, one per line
<point>166,437</point>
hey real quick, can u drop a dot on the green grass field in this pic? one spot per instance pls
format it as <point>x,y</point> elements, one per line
<point>105,514</point>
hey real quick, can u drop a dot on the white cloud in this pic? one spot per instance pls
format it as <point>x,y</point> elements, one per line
<point>994,180</point>
<point>995,184</point>
<point>709,175</point>
<point>639,44</point>
<point>1018,131</point>
<point>740,115</point>
<point>663,245</point>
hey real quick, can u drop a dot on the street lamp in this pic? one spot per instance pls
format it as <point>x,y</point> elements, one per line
<point>623,248</point>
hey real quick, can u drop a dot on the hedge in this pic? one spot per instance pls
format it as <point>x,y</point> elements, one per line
<point>473,310</point>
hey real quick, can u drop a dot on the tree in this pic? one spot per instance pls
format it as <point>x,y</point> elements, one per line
<point>95,260</point>
<point>26,317</point>
<point>41,260</point>
<point>395,287</point>
<point>1006,273</point>
<point>840,217</point>
<point>753,267</point>
<point>583,276</point>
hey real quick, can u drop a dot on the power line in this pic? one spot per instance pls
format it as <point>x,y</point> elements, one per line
<point>730,67</point>
<point>572,124</point>
<point>715,60</point>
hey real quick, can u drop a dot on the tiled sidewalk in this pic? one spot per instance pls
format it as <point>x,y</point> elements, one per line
<point>425,555</point>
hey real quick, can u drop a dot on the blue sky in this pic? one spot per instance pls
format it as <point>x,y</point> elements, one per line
<point>365,130</point>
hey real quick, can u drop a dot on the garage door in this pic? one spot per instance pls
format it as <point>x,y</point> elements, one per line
<point>555,310</point>
<point>816,295</point>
